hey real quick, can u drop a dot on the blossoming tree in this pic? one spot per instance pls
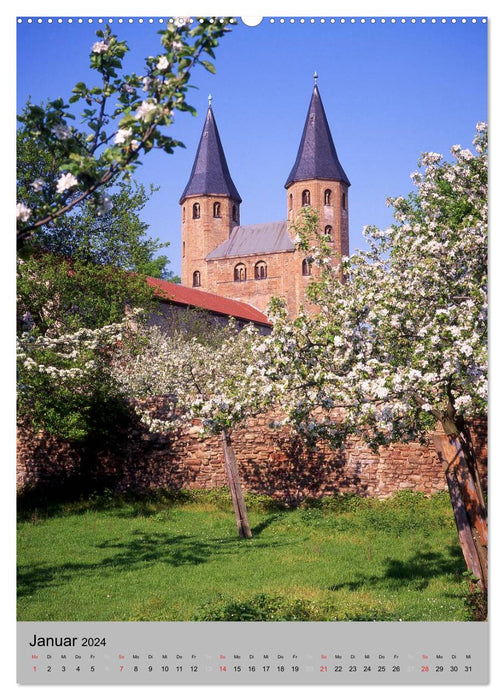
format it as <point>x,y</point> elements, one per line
<point>64,382</point>
<point>125,117</point>
<point>400,345</point>
<point>81,284</point>
<point>213,381</point>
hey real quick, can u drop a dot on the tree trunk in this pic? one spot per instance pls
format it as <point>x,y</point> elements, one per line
<point>467,500</point>
<point>240,508</point>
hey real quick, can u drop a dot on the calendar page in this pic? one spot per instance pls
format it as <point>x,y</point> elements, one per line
<point>252,350</point>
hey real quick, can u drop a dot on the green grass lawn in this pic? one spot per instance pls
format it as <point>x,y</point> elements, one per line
<point>344,558</point>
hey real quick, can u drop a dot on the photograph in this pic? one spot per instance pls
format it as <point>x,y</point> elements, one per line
<point>251,298</point>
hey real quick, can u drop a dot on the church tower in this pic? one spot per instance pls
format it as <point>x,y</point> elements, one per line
<point>318,179</point>
<point>210,205</point>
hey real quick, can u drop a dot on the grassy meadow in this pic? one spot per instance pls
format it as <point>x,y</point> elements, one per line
<point>179,558</point>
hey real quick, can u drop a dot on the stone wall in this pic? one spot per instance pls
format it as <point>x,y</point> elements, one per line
<point>271,462</point>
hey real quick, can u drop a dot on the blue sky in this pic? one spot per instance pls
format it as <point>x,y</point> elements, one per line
<point>390,91</point>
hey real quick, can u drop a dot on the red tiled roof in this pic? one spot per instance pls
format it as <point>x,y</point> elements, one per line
<point>187,296</point>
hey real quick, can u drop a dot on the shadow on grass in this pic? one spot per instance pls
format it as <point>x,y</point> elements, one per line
<point>415,572</point>
<point>257,529</point>
<point>143,550</point>
<point>35,505</point>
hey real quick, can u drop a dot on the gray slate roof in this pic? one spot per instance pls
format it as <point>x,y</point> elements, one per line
<point>210,172</point>
<point>254,239</point>
<point>317,158</point>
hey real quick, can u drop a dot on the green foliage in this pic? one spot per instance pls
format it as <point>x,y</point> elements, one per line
<point>259,608</point>
<point>115,236</point>
<point>477,603</point>
<point>58,295</point>
<point>79,400</point>
<point>73,410</point>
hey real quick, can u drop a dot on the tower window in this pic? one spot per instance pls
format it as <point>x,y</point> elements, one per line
<point>196,212</point>
<point>217,210</point>
<point>305,198</point>
<point>196,279</point>
<point>306,267</point>
<point>234,212</point>
<point>183,249</point>
<point>327,197</point>
<point>183,214</point>
<point>260,270</point>
<point>290,202</point>
<point>240,273</point>
<point>328,233</point>
<point>343,200</point>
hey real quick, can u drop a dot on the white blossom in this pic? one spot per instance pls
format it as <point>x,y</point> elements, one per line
<point>23,212</point>
<point>38,184</point>
<point>100,47</point>
<point>146,83</point>
<point>66,182</point>
<point>162,64</point>
<point>145,109</point>
<point>122,136</point>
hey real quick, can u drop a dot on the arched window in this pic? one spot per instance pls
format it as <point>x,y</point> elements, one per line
<point>290,201</point>
<point>217,210</point>
<point>343,200</point>
<point>196,279</point>
<point>305,198</point>
<point>260,270</point>
<point>327,197</point>
<point>240,273</point>
<point>234,212</point>
<point>307,267</point>
<point>196,211</point>
<point>328,233</point>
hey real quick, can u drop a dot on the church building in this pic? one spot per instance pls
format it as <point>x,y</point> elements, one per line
<point>254,262</point>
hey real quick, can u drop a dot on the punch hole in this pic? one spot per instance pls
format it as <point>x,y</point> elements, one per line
<point>252,21</point>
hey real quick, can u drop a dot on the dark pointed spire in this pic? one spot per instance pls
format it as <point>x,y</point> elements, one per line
<point>316,158</point>
<point>210,173</point>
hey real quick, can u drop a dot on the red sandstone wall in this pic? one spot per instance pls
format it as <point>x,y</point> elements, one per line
<point>271,462</point>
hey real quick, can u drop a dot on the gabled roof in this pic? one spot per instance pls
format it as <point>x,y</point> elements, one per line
<point>196,298</point>
<point>254,239</point>
<point>210,173</point>
<point>316,158</point>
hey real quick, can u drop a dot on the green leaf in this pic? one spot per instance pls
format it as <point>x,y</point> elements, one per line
<point>209,66</point>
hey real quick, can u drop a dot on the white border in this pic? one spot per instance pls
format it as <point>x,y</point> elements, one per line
<point>127,8</point>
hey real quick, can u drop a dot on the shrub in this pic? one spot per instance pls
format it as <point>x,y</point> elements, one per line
<point>262,607</point>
